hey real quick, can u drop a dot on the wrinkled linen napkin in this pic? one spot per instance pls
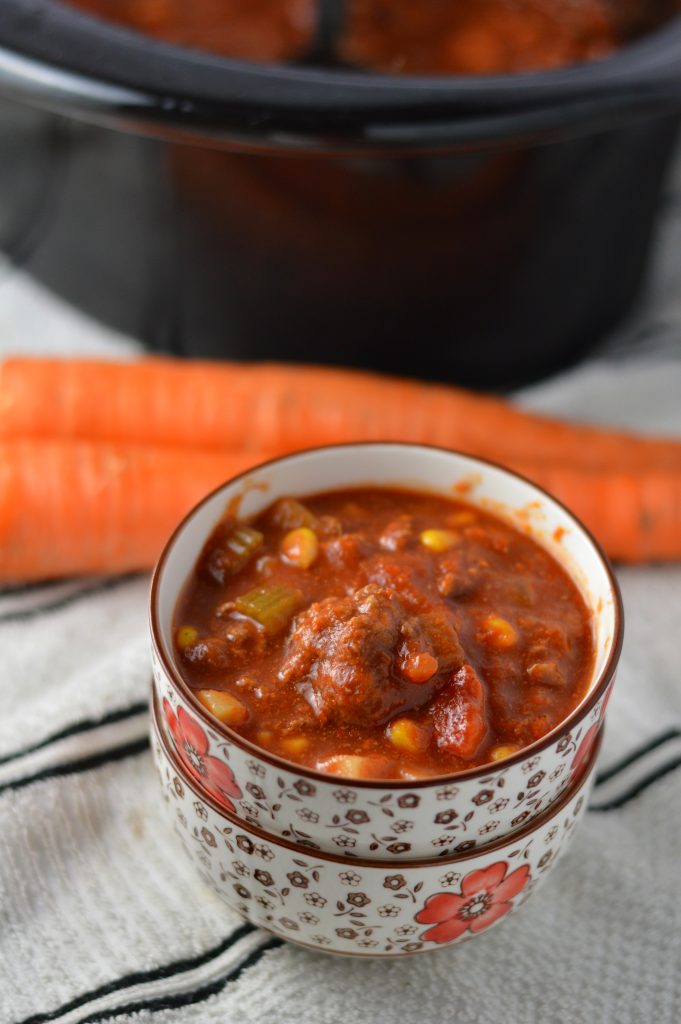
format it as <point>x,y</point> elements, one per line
<point>101,916</point>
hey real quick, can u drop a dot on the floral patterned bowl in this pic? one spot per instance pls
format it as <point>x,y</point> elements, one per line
<point>384,819</point>
<point>336,904</point>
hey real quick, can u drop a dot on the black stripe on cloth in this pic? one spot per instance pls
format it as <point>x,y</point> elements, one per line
<point>639,787</point>
<point>201,993</point>
<point>637,754</point>
<point>85,725</point>
<point>56,604</point>
<point>141,977</point>
<point>198,995</point>
<point>82,764</point>
<point>26,596</point>
<point>12,589</point>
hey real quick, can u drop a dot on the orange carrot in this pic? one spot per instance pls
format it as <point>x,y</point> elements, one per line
<point>280,408</point>
<point>635,515</point>
<point>76,507</point>
<point>68,508</point>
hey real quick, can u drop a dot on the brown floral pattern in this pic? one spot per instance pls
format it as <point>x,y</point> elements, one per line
<point>369,821</point>
<point>362,909</point>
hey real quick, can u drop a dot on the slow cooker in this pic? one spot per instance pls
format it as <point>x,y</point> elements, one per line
<point>482,229</point>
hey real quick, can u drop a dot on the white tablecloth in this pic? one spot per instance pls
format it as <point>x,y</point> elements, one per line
<point>100,916</point>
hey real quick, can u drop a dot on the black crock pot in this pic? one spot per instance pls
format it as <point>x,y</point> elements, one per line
<point>483,230</point>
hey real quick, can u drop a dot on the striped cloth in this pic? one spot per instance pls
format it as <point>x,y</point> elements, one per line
<point>101,917</point>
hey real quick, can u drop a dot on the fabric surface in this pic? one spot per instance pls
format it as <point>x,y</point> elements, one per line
<point>101,916</point>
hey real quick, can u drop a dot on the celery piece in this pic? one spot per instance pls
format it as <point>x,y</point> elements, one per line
<point>229,550</point>
<point>272,606</point>
<point>239,547</point>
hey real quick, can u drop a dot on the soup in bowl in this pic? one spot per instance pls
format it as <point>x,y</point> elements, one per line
<point>389,649</point>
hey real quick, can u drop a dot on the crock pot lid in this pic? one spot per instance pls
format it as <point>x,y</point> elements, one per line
<point>210,89</point>
<point>53,32</point>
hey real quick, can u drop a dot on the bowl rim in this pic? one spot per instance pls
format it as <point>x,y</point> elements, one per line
<point>552,810</point>
<point>600,686</point>
<point>101,69</point>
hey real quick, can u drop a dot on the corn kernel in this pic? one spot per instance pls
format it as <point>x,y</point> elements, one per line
<point>223,705</point>
<point>186,636</point>
<point>500,632</point>
<point>414,774</point>
<point>407,735</point>
<point>439,541</point>
<point>503,750</point>
<point>300,547</point>
<point>294,745</point>
<point>357,766</point>
<point>263,737</point>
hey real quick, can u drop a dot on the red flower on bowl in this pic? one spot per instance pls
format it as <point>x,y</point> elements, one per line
<point>485,897</point>
<point>192,747</point>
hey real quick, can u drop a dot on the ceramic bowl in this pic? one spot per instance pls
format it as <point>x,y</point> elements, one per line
<point>336,904</point>
<point>385,819</point>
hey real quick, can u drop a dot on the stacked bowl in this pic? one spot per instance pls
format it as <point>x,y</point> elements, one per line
<point>376,867</point>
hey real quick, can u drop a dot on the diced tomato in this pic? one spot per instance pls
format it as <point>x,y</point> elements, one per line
<point>459,714</point>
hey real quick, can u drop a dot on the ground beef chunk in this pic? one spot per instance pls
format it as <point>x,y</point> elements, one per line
<point>545,673</point>
<point>350,656</point>
<point>210,653</point>
<point>433,632</point>
<point>398,535</point>
<point>460,574</point>
<point>346,552</point>
<point>245,639</point>
<point>237,642</point>
<point>214,564</point>
<point>404,578</point>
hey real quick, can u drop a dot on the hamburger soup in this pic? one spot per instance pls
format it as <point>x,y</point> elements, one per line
<point>382,633</point>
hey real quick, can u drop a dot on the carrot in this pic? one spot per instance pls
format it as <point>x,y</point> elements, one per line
<point>139,432</point>
<point>635,515</point>
<point>69,507</point>
<point>278,408</point>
